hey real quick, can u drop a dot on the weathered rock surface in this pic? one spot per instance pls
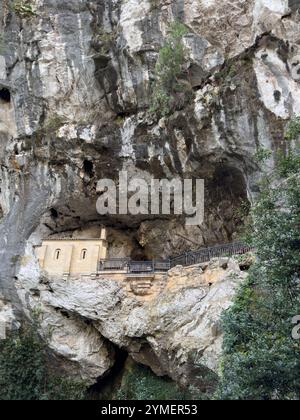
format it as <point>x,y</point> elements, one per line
<point>74,93</point>
<point>176,332</point>
<point>8,321</point>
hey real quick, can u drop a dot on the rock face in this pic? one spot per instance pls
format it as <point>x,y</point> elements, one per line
<point>176,332</point>
<point>8,321</point>
<point>75,81</point>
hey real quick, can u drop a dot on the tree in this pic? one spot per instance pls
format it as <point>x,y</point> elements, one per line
<point>261,359</point>
<point>167,71</point>
<point>24,374</point>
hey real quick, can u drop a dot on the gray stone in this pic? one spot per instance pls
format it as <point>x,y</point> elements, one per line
<point>166,333</point>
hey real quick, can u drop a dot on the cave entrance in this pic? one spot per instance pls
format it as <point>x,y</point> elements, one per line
<point>228,200</point>
<point>54,213</point>
<point>5,95</point>
<point>88,168</point>
<point>106,386</point>
<point>130,379</point>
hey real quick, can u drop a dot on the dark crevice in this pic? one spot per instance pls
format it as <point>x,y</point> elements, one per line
<point>244,267</point>
<point>107,384</point>
<point>277,95</point>
<point>125,114</point>
<point>88,167</point>
<point>54,213</point>
<point>5,95</point>
<point>65,314</point>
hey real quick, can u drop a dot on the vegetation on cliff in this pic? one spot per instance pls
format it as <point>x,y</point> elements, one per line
<point>24,373</point>
<point>168,92</point>
<point>24,8</point>
<point>140,383</point>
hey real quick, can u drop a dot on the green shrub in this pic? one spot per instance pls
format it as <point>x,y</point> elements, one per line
<point>24,374</point>
<point>167,71</point>
<point>289,162</point>
<point>24,8</point>
<point>293,129</point>
<point>139,383</point>
<point>262,155</point>
<point>155,4</point>
<point>106,41</point>
<point>49,128</point>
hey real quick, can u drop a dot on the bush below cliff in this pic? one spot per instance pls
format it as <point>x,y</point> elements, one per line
<point>24,374</point>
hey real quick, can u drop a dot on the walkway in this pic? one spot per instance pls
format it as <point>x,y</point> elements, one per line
<point>189,258</point>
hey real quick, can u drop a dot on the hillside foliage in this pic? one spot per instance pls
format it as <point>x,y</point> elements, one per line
<point>24,374</point>
<point>139,383</point>
<point>261,358</point>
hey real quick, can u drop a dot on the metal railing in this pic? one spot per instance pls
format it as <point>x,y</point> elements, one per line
<point>206,254</point>
<point>129,266</point>
<point>115,264</point>
<point>189,258</point>
<point>141,267</point>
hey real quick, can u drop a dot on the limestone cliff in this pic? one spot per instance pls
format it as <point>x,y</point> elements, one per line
<point>74,95</point>
<point>174,328</point>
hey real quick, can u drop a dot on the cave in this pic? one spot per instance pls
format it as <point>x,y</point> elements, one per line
<point>107,385</point>
<point>5,95</point>
<point>88,168</point>
<point>127,376</point>
<point>277,95</point>
<point>153,237</point>
<point>54,213</point>
<point>227,183</point>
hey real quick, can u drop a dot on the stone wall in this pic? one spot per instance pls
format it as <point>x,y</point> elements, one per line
<point>69,257</point>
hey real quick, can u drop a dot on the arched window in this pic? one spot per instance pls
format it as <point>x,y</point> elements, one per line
<point>83,254</point>
<point>57,254</point>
